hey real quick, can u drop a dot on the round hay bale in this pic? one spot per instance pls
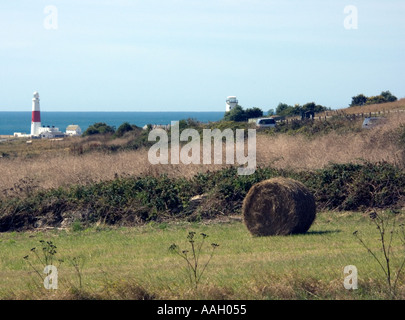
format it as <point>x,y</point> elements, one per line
<point>278,206</point>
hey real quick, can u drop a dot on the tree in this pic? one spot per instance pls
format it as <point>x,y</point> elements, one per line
<point>309,107</point>
<point>313,107</point>
<point>361,99</point>
<point>99,128</point>
<point>296,110</point>
<point>236,114</point>
<point>122,129</point>
<point>375,100</point>
<point>283,109</point>
<point>271,112</point>
<point>388,96</point>
<point>320,108</point>
<point>253,113</point>
<point>358,100</point>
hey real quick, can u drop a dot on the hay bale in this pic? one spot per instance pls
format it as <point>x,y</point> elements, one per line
<point>278,206</point>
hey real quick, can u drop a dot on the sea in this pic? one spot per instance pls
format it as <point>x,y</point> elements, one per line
<point>11,122</point>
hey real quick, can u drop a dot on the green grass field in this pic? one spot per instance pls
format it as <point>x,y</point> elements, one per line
<point>135,263</point>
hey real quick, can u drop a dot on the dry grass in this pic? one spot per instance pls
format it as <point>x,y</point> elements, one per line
<point>63,170</point>
<point>387,107</point>
<point>61,165</point>
<point>299,152</point>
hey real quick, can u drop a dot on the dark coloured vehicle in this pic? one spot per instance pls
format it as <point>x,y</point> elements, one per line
<point>372,122</point>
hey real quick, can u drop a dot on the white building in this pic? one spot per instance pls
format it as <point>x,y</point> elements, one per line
<point>231,103</point>
<point>21,135</point>
<point>73,130</point>
<point>43,133</point>
<point>50,132</point>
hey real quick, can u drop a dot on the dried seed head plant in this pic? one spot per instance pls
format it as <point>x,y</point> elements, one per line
<point>195,268</point>
<point>388,228</point>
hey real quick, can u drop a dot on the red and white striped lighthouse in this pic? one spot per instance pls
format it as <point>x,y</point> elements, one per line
<point>36,115</point>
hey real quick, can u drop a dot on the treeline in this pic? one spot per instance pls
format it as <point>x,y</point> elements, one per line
<point>286,110</point>
<point>239,114</point>
<point>103,128</point>
<point>361,99</point>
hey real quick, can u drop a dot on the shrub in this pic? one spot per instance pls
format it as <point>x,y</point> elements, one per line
<point>358,100</point>
<point>98,128</point>
<point>361,99</point>
<point>140,199</point>
<point>238,114</point>
<point>357,186</point>
<point>122,129</point>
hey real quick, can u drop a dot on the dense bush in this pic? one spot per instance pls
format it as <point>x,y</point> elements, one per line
<point>312,128</point>
<point>124,128</point>
<point>357,186</point>
<point>361,99</point>
<point>284,109</point>
<point>238,114</point>
<point>98,128</point>
<point>141,199</point>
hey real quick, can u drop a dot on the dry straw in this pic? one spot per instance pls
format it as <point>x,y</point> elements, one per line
<point>278,206</point>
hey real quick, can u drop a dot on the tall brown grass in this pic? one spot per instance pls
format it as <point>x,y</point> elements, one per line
<point>299,152</point>
<point>387,107</point>
<point>62,168</point>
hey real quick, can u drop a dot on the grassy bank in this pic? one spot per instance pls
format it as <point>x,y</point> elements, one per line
<point>299,146</point>
<point>135,263</point>
<point>137,200</point>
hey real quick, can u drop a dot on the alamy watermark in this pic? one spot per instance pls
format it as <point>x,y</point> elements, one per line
<point>350,280</point>
<point>51,280</point>
<point>350,22</point>
<point>190,153</point>
<point>352,19</point>
<point>51,18</point>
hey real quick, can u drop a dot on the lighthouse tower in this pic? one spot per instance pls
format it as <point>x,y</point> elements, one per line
<point>36,115</point>
<point>231,102</point>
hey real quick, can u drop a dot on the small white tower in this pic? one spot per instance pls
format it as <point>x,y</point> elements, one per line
<point>231,103</point>
<point>36,115</point>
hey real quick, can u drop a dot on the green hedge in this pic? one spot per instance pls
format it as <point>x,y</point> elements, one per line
<point>141,199</point>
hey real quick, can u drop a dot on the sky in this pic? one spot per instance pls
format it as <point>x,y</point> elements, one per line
<point>189,55</point>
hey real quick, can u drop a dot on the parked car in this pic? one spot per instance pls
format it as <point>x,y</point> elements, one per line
<point>372,122</point>
<point>265,123</point>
